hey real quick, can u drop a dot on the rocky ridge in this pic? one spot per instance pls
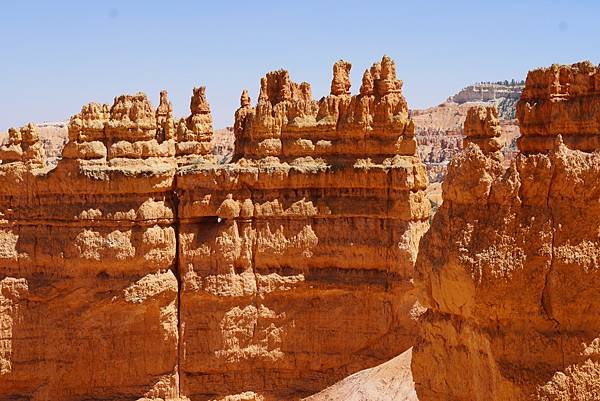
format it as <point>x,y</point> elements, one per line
<point>238,277</point>
<point>508,270</point>
<point>504,95</point>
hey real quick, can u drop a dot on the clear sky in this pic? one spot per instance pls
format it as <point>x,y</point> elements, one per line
<point>57,55</point>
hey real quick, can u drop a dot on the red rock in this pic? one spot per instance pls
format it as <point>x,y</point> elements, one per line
<point>137,268</point>
<point>508,269</point>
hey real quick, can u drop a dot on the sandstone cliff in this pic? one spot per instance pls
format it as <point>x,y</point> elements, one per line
<point>504,95</point>
<point>509,267</point>
<point>311,232</point>
<point>88,295</point>
<point>138,267</point>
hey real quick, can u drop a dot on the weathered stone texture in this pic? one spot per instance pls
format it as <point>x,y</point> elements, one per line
<point>560,100</point>
<point>140,268</point>
<point>509,269</point>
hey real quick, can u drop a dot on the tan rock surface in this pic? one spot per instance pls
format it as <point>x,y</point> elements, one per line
<point>509,271</point>
<point>87,256</point>
<point>561,100</point>
<point>482,128</point>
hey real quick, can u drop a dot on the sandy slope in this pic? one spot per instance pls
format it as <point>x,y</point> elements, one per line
<point>390,381</point>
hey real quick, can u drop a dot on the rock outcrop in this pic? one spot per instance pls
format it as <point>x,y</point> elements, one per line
<point>23,146</point>
<point>509,269</point>
<point>194,134</point>
<point>287,123</point>
<point>483,128</point>
<point>486,92</point>
<point>137,267</point>
<point>88,292</point>
<point>561,100</point>
<point>312,231</point>
<point>439,133</point>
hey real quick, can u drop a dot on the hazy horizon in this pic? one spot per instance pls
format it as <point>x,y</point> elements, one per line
<point>57,57</point>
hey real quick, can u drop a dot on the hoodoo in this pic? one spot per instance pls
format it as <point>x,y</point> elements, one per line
<point>140,268</point>
<point>296,260</point>
<point>509,268</point>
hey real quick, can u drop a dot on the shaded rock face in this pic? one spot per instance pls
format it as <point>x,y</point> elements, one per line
<point>140,268</point>
<point>509,268</point>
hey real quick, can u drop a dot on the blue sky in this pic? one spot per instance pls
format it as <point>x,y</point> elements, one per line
<point>57,55</point>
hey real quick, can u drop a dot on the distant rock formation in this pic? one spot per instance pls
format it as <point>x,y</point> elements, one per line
<point>509,268</point>
<point>23,146</point>
<point>439,133</point>
<point>488,92</point>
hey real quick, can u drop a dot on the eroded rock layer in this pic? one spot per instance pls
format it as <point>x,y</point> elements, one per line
<point>88,294</point>
<point>296,260</point>
<point>561,100</point>
<point>509,269</point>
<point>140,268</point>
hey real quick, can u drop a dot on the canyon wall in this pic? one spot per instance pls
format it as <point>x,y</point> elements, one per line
<point>509,269</point>
<point>138,267</point>
<point>88,294</point>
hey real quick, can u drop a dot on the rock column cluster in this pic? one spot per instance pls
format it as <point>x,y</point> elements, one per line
<point>140,268</point>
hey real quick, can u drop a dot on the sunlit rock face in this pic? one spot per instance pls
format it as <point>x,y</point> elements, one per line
<point>509,269</point>
<point>296,260</point>
<point>138,267</point>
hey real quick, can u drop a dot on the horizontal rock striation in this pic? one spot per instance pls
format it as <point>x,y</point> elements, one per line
<point>509,269</point>
<point>138,267</point>
<point>486,92</point>
<point>296,260</point>
<point>561,100</point>
<point>88,294</point>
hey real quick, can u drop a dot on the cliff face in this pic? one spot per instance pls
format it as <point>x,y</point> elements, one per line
<point>88,295</point>
<point>509,267</point>
<point>500,93</point>
<point>140,268</point>
<point>296,260</point>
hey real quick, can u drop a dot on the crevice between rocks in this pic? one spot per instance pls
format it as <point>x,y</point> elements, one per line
<point>177,272</point>
<point>545,300</point>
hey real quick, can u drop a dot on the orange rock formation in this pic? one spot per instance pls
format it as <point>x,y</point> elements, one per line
<point>561,100</point>
<point>88,295</point>
<point>139,268</point>
<point>509,269</point>
<point>306,235</point>
<point>483,128</point>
